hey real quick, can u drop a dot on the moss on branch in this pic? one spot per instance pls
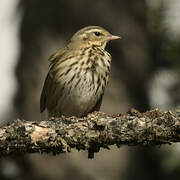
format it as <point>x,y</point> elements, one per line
<point>97,130</point>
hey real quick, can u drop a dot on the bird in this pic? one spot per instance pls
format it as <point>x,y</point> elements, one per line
<point>78,74</point>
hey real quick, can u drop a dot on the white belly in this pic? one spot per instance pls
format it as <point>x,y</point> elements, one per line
<point>79,99</point>
<point>77,105</point>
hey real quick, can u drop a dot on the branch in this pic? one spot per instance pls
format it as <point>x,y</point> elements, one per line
<point>97,130</point>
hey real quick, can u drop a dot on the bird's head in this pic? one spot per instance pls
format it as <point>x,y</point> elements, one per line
<point>92,36</point>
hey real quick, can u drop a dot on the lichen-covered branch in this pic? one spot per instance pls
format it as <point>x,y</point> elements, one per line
<point>97,130</point>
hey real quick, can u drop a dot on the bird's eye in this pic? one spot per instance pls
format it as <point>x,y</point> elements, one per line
<point>97,33</point>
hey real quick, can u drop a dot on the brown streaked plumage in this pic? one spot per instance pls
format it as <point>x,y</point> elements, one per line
<point>78,74</point>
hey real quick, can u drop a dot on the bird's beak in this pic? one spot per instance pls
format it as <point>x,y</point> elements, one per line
<point>112,37</point>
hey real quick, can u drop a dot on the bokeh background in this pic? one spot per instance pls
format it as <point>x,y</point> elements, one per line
<point>145,74</point>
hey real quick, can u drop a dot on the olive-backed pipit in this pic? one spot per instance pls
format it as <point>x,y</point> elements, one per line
<point>78,74</point>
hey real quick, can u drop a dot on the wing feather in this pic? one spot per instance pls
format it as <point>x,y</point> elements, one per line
<point>53,59</point>
<point>43,98</point>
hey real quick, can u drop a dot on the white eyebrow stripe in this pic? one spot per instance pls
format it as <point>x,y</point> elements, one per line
<point>94,30</point>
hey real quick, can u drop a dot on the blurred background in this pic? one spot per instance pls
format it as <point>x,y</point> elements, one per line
<point>145,74</point>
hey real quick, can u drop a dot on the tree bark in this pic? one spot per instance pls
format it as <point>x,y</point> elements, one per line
<point>97,130</point>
